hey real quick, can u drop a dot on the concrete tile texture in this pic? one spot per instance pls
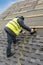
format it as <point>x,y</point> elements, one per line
<point>28,50</point>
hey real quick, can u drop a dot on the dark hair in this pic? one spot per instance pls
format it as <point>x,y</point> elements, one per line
<point>21,17</point>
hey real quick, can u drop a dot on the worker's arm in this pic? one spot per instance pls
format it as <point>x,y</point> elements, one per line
<point>23,25</point>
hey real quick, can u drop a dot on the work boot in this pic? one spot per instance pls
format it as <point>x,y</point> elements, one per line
<point>11,54</point>
<point>33,31</point>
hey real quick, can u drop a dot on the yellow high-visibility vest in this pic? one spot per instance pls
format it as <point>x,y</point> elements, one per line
<point>14,26</point>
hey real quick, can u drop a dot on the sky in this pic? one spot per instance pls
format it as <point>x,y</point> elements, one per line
<point>4,4</point>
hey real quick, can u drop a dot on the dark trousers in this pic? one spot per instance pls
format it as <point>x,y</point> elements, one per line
<point>10,39</point>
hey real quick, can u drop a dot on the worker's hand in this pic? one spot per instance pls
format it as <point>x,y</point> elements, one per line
<point>33,31</point>
<point>23,32</point>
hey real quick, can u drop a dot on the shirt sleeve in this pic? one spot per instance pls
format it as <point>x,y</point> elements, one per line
<point>21,23</point>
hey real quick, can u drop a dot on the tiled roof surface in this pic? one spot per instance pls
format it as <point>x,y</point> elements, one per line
<point>29,49</point>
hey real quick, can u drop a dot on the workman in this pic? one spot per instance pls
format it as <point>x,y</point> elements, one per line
<point>13,29</point>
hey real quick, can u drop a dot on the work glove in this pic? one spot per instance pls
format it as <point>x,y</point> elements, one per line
<point>33,31</point>
<point>23,32</point>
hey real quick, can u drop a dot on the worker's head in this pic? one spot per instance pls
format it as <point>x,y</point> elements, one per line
<point>21,17</point>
